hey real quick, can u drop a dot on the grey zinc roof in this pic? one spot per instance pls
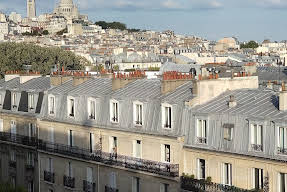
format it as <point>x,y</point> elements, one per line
<point>141,88</point>
<point>181,94</point>
<point>12,84</point>
<point>271,73</point>
<point>250,102</point>
<point>93,87</point>
<point>181,68</point>
<point>37,84</point>
<point>62,89</point>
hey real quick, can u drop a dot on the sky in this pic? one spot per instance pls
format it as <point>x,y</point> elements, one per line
<point>210,19</point>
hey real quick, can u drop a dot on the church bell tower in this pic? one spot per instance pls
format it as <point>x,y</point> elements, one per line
<point>31,9</point>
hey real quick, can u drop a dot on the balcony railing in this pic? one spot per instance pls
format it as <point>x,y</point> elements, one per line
<point>30,167</point>
<point>165,169</point>
<point>89,186</point>
<point>256,147</point>
<point>201,140</point>
<point>282,150</point>
<point>110,189</point>
<point>190,184</point>
<point>12,164</point>
<point>69,181</point>
<point>49,177</point>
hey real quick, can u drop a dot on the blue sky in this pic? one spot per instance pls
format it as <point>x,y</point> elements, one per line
<point>211,19</point>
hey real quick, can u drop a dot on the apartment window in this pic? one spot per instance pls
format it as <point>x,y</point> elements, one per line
<point>14,100</point>
<point>256,137</point>
<point>69,170</point>
<point>49,167</point>
<point>201,168</point>
<point>70,138</point>
<point>92,108</point>
<point>282,144</point>
<point>13,130</point>
<point>282,182</point>
<point>258,178</point>
<point>167,116</point>
<point>51,105</point>
<point>135,184</point>
<point>71,107</point>
<point>30,159</point>
<point>137,149</point>
<point>113,145</point>
<point>30,186</point>
<point>113,179</point>
<point>13,181</point>
<point>51,135</point>
<point>228,131</point>
<point>201,131</point>
<point>91,142</point>
<point>12,156</point>
<point>1,125</point>
<point>165,153</point>
<point>90,174</point>
<point>227,174</point>
<point>32,130</point>
<point>31,101</point>
<point>114,111</point>
<point>163,187</point>
<point>138,113</point>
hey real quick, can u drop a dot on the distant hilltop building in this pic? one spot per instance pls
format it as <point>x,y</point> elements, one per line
<point>31,9</point>
<point>67,9</point>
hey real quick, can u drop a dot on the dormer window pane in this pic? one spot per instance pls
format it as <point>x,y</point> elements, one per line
<point>114,112</point>
<point>138,114</point>
<point>92,109</point>
<point>31,101</point>
<point>51,105</point>
<point>167,117</point>
<point>256,137</point>
<point>201,131</point>
<point>14,99</point>
<point>71,106</point>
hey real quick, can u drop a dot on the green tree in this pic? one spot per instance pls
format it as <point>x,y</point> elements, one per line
<point>14,56</point>
<point>45,32</point>
<point>250,44</point>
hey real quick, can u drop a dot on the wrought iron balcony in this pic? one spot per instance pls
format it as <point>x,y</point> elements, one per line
<point>12,164</point>
<point>165,169</point>
<point>30,167</point>
<point>110,189</point>
<point>256,147</point>
<point>190,184</point>
<point>69,181</point>
<point>89,186</point>
<point>49,177</point>
<point>201,140</point>
<point>282,150</point>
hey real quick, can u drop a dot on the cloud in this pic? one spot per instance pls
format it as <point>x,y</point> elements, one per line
<point>171,4</point>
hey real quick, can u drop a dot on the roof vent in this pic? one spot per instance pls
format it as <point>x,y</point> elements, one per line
<point>232,103</point>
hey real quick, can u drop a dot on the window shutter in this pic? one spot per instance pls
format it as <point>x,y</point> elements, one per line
<point>204,129</point>
<point>134,113</point>
<point>51,165</point>
<point>223,173</point>
<point>285,138</point>
<point>253,177</point>
<point>162,153</point>
<point>51,135</point>
<point>163,116</point>
<point>134,148</point>
<point>134,184</point>
<point>69,138</point>
<point>259,135</point>
<point>92,143</point>
<point>111,111</point>
<point>285,181</point>
<point>162,188</point>
<point>72,170</point>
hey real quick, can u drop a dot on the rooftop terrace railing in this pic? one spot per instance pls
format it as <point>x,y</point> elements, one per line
<point>155,167</point>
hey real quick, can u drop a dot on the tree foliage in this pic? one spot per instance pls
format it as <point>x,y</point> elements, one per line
<point>6,187</point>
<point>250,44</point>
<point>15,56</point>
<point>115,25</point>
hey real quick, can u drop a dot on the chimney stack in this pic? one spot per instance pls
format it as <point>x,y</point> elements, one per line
<point>172,79</point>
<point>283,98</point>
<point>121,80</point>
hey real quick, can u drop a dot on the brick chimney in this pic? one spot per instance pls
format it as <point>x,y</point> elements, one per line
<point>172,79</point>
<point>121,80</point>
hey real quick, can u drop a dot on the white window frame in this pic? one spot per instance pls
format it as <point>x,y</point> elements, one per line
<point>227,174</point>
<point>31,101</point>
<point>164,157</point>
<point>69,107</point>
<point>138,113</point>
<point>135,152</point>
<point>261,176</point>
<point>167,121</point>
<point>135,184</point>
<point>114,111</point>
<point>282,133</point>
<point>280,181</point>
<point>201,130</point>
<point>71,139</point>
<point>199,176</point>
<point>163,187</point>
<point>30,159</point>
<point>51,108</point>
<point>113,146</point>
<point>90,115</point>
<point>258,137</point>
<point>14,99</point>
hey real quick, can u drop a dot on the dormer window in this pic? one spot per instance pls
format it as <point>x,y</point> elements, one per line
<point>92,108</point>
<point>114,111</point>
<point>31,101</point>
<point>201,131</point>
<point>71,107</point>
<point>51,105</point>
<point>138,113</point>
<point>14,100</point>
<point>256,137</point>
<point>166,116</point>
